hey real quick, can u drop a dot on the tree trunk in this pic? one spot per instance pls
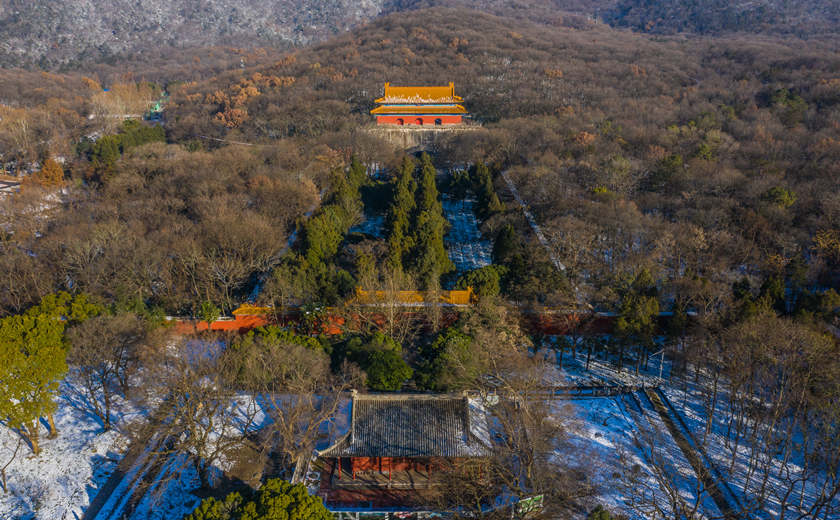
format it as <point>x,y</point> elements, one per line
<point>712,409</point>
<point>106,396</point>
<point>621,357</point>
<point>31,434</point>
<point>53,430</point>
<point>3,469</point>
<point>639,355</point>
<point>560,358</point>
<point>203,476</point>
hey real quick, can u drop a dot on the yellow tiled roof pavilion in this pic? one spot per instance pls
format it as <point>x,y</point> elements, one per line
<point>437,94</point>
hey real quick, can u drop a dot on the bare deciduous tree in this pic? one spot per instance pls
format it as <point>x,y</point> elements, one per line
<point>103,358</point>
<point>298,392</point>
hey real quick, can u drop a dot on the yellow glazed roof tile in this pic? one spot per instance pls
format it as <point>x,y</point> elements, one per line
<point>436,94</point>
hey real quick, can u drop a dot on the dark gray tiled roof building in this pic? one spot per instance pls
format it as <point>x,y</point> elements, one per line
<point>413,425</point>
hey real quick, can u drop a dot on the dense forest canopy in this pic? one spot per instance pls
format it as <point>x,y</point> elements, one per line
<point>804,19</point>
<point>715,156</point>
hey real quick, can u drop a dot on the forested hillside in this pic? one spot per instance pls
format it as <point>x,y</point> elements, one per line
<point>727,141</point>
<point>80,33</point>
<point>56,31</point>
<point>803,18</point>
<point>717,156</point>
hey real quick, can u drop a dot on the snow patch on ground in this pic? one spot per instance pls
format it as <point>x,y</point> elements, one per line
<point>596,427</point>
<point>600,430</point>
<point>691,405</point>
<point>373,225</point>
<point>61,482</point>
<point>170,496</point>
<point>464,244</point>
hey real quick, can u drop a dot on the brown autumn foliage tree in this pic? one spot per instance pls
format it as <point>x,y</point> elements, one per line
<point>123,99</point>
<point>301,394</point>
<point>51,175</point>
<point>197,412</point>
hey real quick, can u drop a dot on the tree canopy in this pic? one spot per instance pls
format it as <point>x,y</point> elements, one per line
<point>277,499</point>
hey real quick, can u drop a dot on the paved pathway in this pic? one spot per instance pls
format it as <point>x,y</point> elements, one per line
<point>533,223</point>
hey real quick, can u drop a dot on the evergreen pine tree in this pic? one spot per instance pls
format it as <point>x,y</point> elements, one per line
<point>32,363</point>
<point>399,237</point>
<point>275,500</point>
<point>357,174</point>
<point>430,259</point>
<point>33,360</point>
<point>427,193</point>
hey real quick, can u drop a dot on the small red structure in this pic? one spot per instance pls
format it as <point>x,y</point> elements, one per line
<point>419,106</point>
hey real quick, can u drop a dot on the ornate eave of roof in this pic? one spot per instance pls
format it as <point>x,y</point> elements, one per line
<point>416,94</point>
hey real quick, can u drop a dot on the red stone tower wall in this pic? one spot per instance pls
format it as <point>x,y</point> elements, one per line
<point>418,120</point>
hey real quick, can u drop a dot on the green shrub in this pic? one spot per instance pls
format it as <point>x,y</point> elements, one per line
<point>275,500</point>
<point>450,362</point>
<point>781,197</point>
<point>485,281</point>
<point>379,356</point>
<point>387,371</point>
<point>600,513</point>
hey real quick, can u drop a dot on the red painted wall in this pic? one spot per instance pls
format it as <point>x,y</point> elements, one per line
<point>331,325</point>
<point>238,324</point>
<point>546,323</point>
<point>382,464</point>
<point>412,120</point>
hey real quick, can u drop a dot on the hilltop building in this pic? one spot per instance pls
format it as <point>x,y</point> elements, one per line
<point>419,106</point>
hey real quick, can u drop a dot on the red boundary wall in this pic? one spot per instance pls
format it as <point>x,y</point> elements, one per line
<point>332,325</point>
<point>545,323</point>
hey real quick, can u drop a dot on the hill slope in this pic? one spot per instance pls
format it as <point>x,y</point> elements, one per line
<point>57,31</point>
<point>799,17</point>
<point>51,33</point>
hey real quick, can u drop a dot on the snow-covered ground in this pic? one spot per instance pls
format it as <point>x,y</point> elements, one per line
<point>596,430</point>
<point>59,483</point>
<point>602,428</point>
<point>690,403</point>
<point>373,225</point>
<point>169,497</point>
<point>161,486</point>
<point>466,248</point>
